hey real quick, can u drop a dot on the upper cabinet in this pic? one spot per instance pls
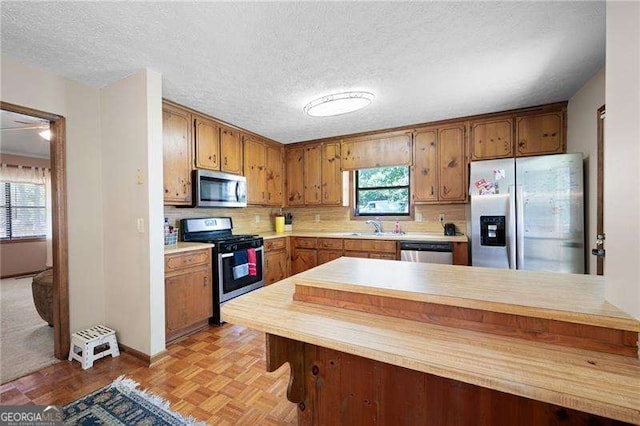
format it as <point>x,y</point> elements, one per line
<point>207,142</point>
<point>177,155</point>
<point>538,131</point>
<point>378,150</point>
<point>263,164</point>
<point>492,138</point>
<point>313,175</point>
<point>230,151</point>
<point>440,164</point>
<point>538,134</point>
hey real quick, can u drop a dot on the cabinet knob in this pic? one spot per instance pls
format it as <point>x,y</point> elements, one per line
<point>522,143</point>
<point>206,281</point>
<point>225,161</point>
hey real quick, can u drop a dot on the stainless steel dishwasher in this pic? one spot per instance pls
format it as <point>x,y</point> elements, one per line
<point>426,252</point>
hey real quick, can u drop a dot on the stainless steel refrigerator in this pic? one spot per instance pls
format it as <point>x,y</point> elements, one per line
<point>528,213</point>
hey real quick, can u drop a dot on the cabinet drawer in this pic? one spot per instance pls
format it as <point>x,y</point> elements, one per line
<point>330,243</point>
<point>362,254</point>
<point>178,261</point>
<point>325,256</point>
<point>370,246</point>
<point>305,242</point>
<point>275,244</point>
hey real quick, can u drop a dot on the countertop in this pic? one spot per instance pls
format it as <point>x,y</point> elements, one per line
<point>411,236</point>
<point>182,247</point>
<point>594,382</point>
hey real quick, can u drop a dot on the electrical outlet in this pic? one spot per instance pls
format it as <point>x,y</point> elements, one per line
<point>441,217</point>
<point>418,217</point>
<point>140,225</point>
<point>257,218</point>
<point>317,218</point>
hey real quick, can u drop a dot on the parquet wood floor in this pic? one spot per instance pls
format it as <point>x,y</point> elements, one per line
<point>217,375</point>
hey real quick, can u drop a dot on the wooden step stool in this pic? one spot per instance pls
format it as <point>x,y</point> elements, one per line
<point>84,343</point>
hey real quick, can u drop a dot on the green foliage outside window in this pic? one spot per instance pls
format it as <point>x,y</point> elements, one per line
<point>382,191</point>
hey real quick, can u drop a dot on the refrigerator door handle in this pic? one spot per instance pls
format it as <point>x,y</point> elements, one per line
<point>511,246</point>
<point>519,227</point>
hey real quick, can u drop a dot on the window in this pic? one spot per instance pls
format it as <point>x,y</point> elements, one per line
<point>22,210</point>
<point>382,191</point>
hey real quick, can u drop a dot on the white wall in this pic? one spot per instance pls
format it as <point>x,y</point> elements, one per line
<point>582,136</point>
<point>132,192</point>
<point>622,157</point>
<point>80,104</point>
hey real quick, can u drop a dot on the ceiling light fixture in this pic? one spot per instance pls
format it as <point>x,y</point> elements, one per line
<point>338,103</point>
<point>46,134</point>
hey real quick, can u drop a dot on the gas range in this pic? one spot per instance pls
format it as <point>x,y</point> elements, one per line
<point>218,231</point>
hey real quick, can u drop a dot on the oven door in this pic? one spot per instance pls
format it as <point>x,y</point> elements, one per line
<point>230,287</point>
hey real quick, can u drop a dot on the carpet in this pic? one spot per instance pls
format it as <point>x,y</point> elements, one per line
<point>121,403</point>
<point>26,341</point>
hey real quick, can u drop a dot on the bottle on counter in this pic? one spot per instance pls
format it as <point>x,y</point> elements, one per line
<point>396,228</point>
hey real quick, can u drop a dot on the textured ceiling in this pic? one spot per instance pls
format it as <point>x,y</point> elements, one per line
<point>19,135</point>
<point>256,64</point>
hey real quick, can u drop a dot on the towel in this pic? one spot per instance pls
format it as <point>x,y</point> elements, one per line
<point>251,255</point>
<point>240,264</point>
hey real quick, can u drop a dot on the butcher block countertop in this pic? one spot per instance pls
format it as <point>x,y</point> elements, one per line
<point>182,247</point>
<point>410,236</point>
<point>589,381</point>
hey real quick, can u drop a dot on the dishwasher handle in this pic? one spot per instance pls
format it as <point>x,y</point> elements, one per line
<point>426,246</point>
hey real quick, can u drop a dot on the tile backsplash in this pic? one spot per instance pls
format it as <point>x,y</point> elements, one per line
<point>255,220</point>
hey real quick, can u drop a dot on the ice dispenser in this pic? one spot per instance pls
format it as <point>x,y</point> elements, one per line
<point>492,231</point>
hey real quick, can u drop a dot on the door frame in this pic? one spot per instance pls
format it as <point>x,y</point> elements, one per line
<point>600,187</point>
<point>61,330</point>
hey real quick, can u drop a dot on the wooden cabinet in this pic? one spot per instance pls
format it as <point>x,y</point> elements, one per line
<point>304,254</point>
<point>314,176</point>
<point>331,174</point>
<point>188,292</point>
<point>207,143</point>
<point>329,249</point>
<point>276,258</point>
<point>177,155</point>
<point>539,131</point>
<point>460,254</point>
<point>373,249</point>
<point>255,158</point>
<point>440,168</point>
<point>378,150</point>
<point>491,139</point>
<point>295,173</point>
<point>230,151</point>
<point>539,134</point>
<point>274,175</point>
<point>263,170</point>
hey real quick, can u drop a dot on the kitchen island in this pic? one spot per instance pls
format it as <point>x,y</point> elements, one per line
<point>380,342</point>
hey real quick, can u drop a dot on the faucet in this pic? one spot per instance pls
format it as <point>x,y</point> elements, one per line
<point>376,224</point>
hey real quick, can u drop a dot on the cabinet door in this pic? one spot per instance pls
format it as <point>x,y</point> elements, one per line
<point>295,172</point>
<point>176,151</point>
<point>452,165</point>
<point>274,181</point>
<point>312,174</point>
<point>325,256</point>
<point>275,266</point>
<point>540,134</point>
<point>331,174</point>
<point>426,166</point>
<point>176,300</point>
<point>207,144</point>
<point>254,170</point>
<point>492,139</point>
<point>303,259</point>
<point>201,296</point>
<point>230,151</point>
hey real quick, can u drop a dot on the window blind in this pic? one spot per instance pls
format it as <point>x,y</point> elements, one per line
<point>22,210</point>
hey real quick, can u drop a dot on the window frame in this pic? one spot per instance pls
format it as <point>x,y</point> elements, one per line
<point>354,215</point>
<point>8,215</point>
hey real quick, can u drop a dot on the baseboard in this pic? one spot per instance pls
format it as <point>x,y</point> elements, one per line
<point>147,359</point>
<point>22,274</point>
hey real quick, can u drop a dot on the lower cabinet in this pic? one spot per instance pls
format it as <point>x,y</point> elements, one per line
<point>276,260</point>
<point>188,296</point>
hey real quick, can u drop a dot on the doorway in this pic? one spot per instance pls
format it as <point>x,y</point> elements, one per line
<point>59,305</point>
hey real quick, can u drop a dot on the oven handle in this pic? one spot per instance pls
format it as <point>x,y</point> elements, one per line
<point>222,256</point>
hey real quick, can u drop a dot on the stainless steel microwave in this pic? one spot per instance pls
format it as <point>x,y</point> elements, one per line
<point>217,189</point>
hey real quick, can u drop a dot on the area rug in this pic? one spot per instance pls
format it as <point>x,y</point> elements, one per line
<point>121,403</point>
<point>26,343</point>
